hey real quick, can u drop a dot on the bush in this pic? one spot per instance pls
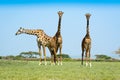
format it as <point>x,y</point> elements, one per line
<point>64,55</point>
<point>102,57</point>
<point>67,59</point>
<point>0,57</point>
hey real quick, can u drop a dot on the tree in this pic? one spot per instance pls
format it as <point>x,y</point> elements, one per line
<point>10,57</point>
<point>19,57</point>
<point>118,52</point>
<point>102,57</point>
<point>64,55</point>
<point>29,54</point>
<point>0,57</point>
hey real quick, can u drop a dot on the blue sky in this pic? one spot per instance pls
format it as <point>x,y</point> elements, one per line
<point>59,1</point>
<point>35,14</point>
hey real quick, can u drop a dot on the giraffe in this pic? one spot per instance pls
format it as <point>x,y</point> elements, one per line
<point>58,36</point>
<point>42,40</point>
<point>86,43</point>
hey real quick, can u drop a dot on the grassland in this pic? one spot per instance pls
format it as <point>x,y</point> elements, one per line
<point>30,70</point>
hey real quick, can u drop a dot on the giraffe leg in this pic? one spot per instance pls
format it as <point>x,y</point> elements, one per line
<point>52,59</point>
<point>52,55</point>
<point>55,56</point>
<point>39,48</point>
<point>90,64</point>
<point>86,58</point>
<point>90,59</point>
<point>44,51</point>
<point>86,61</point>
<point>82,56</point>
<point>60,54</point>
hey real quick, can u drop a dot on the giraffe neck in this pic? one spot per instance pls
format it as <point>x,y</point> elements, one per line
<point>58,33</point>
<point>87,22</point>
<point>59,24</point>
<point>87,30</point>
<point>87,26</point>
<point>31,32</point>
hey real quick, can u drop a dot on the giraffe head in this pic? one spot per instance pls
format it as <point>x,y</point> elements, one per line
<point>87,16</point>
<point>60,13</point>
<point>21,30</point>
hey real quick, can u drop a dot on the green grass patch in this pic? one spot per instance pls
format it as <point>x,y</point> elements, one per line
<point>30,70</point>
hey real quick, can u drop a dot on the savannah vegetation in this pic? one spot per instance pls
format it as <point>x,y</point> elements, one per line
<point>30,70</point>
<point>25,67</point>
<point>34,56</point>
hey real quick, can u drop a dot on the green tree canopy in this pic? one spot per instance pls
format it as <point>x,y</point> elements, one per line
<point>29,54</point>
<point>64,55</point>
<point>102,57</point>
<point>118,51</point>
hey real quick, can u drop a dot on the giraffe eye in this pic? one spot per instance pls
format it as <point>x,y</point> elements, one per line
<point>19,30</point>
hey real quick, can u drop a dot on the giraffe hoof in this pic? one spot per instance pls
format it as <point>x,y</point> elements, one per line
<point>40,63</point>
<point>58,63</point>
<point>90,65</point>
<point>61,63</point>
<point>45,63</point>
<point>86,64</point>
<point>52,64</point>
